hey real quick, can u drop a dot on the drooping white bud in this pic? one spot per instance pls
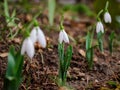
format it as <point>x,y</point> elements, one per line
<point>107,17</point>
<point>38,35</point>
<point>60,37</point>
<point>33,35</point>
<point>63,37</point>
<point>99,27</point>
<point>41,37</point>
<point>28,47</point>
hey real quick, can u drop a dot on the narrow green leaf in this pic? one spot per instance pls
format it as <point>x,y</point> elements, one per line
<point>64,62</point>
<point>51,10</point>
<point>11,64</point>
<point>68,57</point>
<point>90,58</point>
<point>100,41</point>
<point>6,11</point>
<point>111,38</point>
<point>61,59</point>
<point>19,64</point>
<point>112,83</point>
<point>12,19</point>
<point>14,70</point>
<point>90,49</point>
<point>88,41</point>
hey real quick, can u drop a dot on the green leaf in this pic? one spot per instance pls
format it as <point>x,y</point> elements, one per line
<point>51,10</point>
<point>12,19</point>
<point>11,64</point>
<point>68,57</point>
<point>84,9</point>
<point>100,41</point>
<point>14,70</point>
<point>61,59</point>
<point>112,83</point>
<point>81,8</point>
<point>89,49</point>
<point>6,11</point>
<point>90,58</point>
<point>64,61</point>
<point>88,41</point>
<point>19,64</point>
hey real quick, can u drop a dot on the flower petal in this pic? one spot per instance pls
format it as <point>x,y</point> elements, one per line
<point>41,37</point>
<point>107,17</point>
<point>60,37</point>
<point>99,27</point>
<point>33,35</point>
<point>23,49</point>
<point>65,37</point>
<point>30,48</point>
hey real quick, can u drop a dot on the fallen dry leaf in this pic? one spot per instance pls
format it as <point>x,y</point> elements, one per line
<point>63,88</point>
<point>95,59</point>
<point>3,54</point>
<point>118,62</point>
<point>17,40</point>
<point>81,74</point>
<point>82,52</point>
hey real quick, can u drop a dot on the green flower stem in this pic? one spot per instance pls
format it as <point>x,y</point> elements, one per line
<point>61,23</point>
<point>100,41</point>
<point>106,6</point>
<point>98,15</point>
<point>36,23</point>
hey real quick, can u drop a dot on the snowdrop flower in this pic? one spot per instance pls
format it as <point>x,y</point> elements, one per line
<point>63,36</point>
<point>107,17</point>
<point>28,47</point>
<point>99,27</point>
<point>33,35</point>
<point>38,35</point>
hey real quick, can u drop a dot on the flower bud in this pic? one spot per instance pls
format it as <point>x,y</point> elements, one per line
<point>107,17</point>
<point>63,37</point>
<point>99,27</point>
<point>28,47</point>
<point>38,35</point>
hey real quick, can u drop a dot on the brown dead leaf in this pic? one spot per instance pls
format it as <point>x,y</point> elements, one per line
<point>95,59</point>
<point>118,62</point>
<point>28,17</point>
<point>82,52</point>
<point>63,88</point>
<point>81,25</point>
<point>3,54</point>
<point>17,40</point>
<point>81,74</point>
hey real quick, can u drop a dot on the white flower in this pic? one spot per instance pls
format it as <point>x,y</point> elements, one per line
<point>28,47</point>
<point>63,37</point>
<point>99,27</point>
<point>38,35</point>
<point>33,35</point>
<point>107,17</point>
